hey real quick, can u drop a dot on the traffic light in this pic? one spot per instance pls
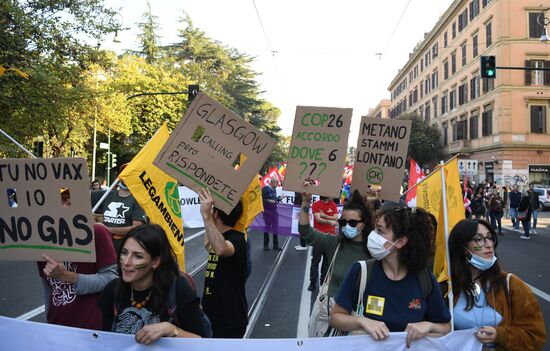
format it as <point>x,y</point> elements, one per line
<point>192,91</point>
<point>113,160</point>
<point>488,67</point>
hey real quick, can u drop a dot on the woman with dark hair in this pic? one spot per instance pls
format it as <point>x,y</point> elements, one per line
<point>478,203</point>
<point>401,294</point>
<point>499,305</point>
<point>349,246</point>
<point>150,299</point>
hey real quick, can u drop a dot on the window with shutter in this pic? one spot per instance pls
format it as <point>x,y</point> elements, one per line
<point>538,119</point>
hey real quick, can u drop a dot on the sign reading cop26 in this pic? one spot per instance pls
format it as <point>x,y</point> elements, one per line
<point>318,150</point>
<point>381,155</point>
<point>33,219</point>
<point>206,146</point>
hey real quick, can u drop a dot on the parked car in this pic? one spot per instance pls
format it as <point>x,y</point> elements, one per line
<point>544,197</point>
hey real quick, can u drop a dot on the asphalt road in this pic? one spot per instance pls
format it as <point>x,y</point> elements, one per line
<point>279,313</point>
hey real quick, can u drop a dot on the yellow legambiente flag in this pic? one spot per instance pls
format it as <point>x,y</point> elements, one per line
<point>157,192</point>
<point>455,213</point>
<point>429,197</point>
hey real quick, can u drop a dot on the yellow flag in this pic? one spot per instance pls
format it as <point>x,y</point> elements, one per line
<point>455,213</point>
<point>252,205</point>
<point>157,192</point>
<point>429,197</point>
<point>428,193</point>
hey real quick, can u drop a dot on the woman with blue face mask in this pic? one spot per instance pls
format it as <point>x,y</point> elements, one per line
<point>499,305</point>
<point>349,246</point>
<point>401,293</point>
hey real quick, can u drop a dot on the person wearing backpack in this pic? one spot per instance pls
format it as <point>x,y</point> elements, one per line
<point>499,305</point>
<point>496,206</point>
<point>396,299</point>
<point>150,299</point>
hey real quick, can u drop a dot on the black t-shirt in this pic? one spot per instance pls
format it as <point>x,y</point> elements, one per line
<point>131,319</point>
<point>224,299</point>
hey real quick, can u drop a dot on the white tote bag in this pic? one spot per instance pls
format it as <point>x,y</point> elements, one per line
<point>320,314</point>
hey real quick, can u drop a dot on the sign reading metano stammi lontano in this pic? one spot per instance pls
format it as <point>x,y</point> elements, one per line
<point>381,155</point>
<point>205,147</point>
<point>34,221</point>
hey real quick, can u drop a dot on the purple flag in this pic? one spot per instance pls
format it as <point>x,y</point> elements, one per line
<point>277,219</point>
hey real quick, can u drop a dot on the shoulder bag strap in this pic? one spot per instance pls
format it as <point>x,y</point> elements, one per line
<point>329,270</point>
<point>508,289</point>
<point>362,286</point>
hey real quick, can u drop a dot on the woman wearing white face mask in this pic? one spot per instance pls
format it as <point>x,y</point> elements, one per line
<point>349,246</point>
<point>499,305</point>
<point>395,298</point>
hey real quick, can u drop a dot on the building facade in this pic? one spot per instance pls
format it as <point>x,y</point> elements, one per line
<point>382,110</point>
<point>502,123</point>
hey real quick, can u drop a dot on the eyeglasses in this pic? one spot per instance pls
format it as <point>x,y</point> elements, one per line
<point>352,222</point>
<point>481,240</point>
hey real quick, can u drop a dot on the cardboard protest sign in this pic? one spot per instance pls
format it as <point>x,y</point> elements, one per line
<point>381,155</point>
<point>318,150</point>
<point>206,145</point>
<point>34,221</point>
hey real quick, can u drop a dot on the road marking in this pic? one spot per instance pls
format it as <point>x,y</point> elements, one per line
<point>41,309</point>
<point>305,302</point>
<point>194,236</point>
<point>31,314</point>
<point>539,293</point>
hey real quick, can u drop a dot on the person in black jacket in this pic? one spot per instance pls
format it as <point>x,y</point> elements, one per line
<point>535,206</point>
<point>515,197</point>
<point>524,214</point>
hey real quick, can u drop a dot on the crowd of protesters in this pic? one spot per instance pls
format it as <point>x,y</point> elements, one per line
<point>136,288</point>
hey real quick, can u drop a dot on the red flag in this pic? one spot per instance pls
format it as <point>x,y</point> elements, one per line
<point>415,176</point>
<point>273,172</point>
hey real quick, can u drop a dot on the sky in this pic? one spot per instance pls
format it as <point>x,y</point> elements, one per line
<point>310,52</point>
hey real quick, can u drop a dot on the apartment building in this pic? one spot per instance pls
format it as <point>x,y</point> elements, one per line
<point>503,123</point>
<point>382,110</point>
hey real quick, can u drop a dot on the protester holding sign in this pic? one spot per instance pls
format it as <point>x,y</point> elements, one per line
<point>150,299</point>
<point>224,298</point>
<point>343,249</point>
<point>401,294</point>
<point>71,289</point>
<point>498,304</point>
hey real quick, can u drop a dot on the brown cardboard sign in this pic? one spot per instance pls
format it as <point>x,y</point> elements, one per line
<point>318,150</point>
<point>205,147</point>
<point>45,209</point>
<point>381,155</point>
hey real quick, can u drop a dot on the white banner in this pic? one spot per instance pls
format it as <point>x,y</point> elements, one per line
<point>191,208</point>
<point>19,335</point>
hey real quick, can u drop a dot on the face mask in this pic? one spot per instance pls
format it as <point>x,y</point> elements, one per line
<point>123,186</point>
<point>350,232</point>
<point>375,244</point>
<point>481,263</point>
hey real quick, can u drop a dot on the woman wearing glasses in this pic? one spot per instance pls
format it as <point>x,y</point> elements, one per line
<point>401,294</point>
<point>499,305</point>
<point>344,249</point>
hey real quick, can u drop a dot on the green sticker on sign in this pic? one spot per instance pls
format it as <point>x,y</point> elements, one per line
<point>375,175</point>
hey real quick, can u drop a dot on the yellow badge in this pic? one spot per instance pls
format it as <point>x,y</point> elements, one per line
<point>375,305</point>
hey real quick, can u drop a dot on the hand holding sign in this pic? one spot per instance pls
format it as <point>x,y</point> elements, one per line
<point>57,270</point>
<point>207,203</point>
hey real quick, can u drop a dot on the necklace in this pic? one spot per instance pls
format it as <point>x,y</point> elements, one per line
<point>136,304</point>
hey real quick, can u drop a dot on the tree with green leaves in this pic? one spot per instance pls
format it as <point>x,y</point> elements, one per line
<point>148,37</point>
<point>424,144</point>
<point>46,40</point>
